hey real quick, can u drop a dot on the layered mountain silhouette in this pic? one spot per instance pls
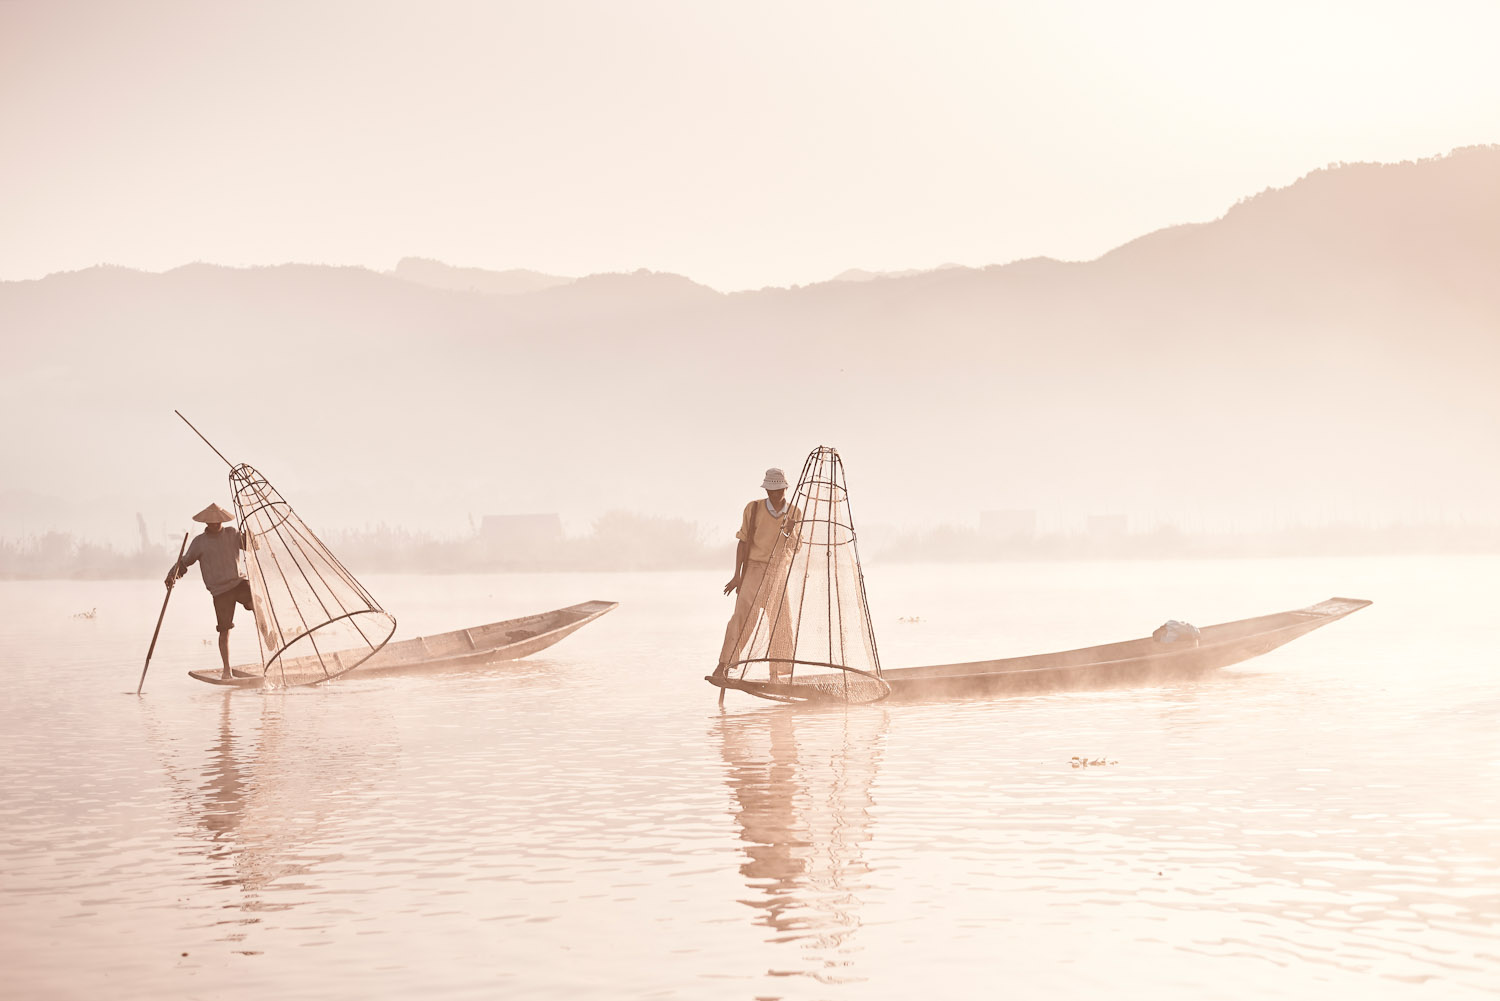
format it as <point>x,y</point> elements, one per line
<point>861,275</point>
<point>436,274</point>
<point>1324,350</point>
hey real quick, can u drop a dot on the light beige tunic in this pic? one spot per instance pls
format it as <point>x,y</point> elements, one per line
<point>762,528</point>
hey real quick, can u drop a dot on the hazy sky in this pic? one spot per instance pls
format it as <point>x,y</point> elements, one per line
<point>739,144</point>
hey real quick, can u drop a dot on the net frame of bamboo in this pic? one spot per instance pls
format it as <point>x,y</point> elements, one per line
<point>824,521</point>
<point>315,594</point>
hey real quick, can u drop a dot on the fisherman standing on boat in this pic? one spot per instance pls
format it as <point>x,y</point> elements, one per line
<point>764,524</point>
<point>217,552</point>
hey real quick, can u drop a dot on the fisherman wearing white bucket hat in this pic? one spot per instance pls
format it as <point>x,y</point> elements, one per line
<point>763,525</point>
<point>217,552</point>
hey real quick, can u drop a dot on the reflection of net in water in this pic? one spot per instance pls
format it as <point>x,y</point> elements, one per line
<point>812,639</point>
<point>314,620</point>
<point>803,786</point>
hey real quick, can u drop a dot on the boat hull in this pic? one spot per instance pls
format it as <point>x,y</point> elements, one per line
<point>490,643</point>
<point>239,677</point>
<point>1132,663</point>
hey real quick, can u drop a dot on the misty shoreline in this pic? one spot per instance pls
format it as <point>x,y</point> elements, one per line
<point>677,546</point>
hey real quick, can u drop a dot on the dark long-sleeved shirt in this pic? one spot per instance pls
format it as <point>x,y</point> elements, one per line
<point>218,557</point>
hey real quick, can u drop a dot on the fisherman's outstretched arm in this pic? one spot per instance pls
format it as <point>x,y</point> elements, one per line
<point>741,556</point>
<point>186,560</point>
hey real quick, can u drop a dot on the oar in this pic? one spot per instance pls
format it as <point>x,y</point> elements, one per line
<point>152,649</point>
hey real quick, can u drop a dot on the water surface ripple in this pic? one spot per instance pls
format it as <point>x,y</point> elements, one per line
<point>1324,821</point>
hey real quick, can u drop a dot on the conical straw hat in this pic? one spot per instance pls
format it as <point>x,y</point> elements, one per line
<point>213,514</point>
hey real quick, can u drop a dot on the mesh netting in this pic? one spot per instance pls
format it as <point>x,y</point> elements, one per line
<point>810,638</point>
<point>314,620</point>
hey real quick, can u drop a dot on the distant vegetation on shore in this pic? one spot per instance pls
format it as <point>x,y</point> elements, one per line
<point>621,541</point>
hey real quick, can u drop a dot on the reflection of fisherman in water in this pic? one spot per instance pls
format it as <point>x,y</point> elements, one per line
<point>802,784</point>
<point>275,780</point>
<point>224,783</point>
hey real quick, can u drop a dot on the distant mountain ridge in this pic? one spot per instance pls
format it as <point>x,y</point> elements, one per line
<point>436,274</point>
<point>1325,347</point>
<point>861,275</point>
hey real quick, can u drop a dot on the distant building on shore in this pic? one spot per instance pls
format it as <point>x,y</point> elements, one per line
<point>1016,523</point>
<point>520,536</point>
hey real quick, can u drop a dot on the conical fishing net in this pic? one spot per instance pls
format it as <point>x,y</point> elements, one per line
<point>810,638</point>
<point>314,620</point>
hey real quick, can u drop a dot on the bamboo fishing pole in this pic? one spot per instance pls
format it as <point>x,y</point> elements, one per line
<point>171,582</point>
<point>205,439</point>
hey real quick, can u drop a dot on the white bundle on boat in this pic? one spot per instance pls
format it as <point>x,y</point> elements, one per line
<point>1173,631</point>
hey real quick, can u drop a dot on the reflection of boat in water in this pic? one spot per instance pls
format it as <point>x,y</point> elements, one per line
<point>802,787</point>
<point>476,646</point>
<point>1133,662</point>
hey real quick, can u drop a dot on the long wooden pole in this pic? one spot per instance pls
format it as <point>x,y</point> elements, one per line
<point>205,440</point>
<point>152,649</point>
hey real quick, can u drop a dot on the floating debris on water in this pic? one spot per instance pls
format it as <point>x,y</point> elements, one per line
<point>910,618</point>
<point>1084,761</point>
<point>87,615</point>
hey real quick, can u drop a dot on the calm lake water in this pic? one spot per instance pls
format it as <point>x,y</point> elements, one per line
<point>1321,822</point>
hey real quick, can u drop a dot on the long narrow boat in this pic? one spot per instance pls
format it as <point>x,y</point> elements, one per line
<point>1144,661</point>
<point>495,641</point>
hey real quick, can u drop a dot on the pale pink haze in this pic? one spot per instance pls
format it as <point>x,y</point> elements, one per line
<point>741,145</point>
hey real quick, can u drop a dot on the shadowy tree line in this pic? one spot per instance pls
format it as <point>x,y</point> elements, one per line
<point>54,555</point>
<point>953,544</point>
<point>618,541</point>
<point>624,541</point>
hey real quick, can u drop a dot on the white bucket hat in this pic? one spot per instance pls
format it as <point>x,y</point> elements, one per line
<point>213,515</point>
<point>775,480</point>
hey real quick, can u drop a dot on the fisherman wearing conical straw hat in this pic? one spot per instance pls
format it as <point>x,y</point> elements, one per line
<point>217,552</point>
<point>763,525</point>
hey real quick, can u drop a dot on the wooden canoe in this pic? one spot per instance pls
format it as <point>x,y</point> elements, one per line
<point>472,647</point>
<point>1134,662</point>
